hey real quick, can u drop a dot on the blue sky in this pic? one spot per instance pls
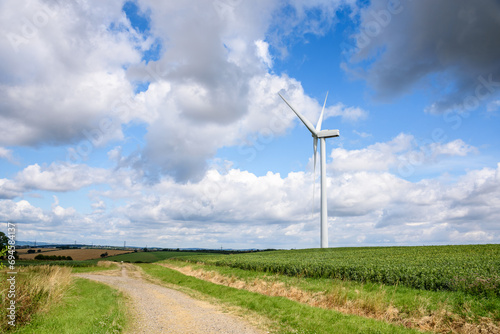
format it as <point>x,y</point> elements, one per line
<point>159,122</point>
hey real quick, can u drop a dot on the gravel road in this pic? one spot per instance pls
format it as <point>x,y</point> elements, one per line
<point>157,309</point>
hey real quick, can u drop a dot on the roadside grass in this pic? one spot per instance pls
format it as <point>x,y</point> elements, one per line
<point>287,316</point>
<point>436,310</point>
<point>36,290</point>
<point>87,307</point>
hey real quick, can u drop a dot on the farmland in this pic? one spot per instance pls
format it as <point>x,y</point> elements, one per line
<point>76,254</point>
<point>474,269</point>
<point>434,288</point>
<point>37,250</point>
<point>149,257</point>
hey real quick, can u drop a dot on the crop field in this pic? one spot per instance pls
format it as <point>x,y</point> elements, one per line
<point>149,257</point>
<point>77,254</point>
<point>42,250</point>
<point>473,269</point>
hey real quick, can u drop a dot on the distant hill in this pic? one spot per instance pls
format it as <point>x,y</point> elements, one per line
<point>32,243</point>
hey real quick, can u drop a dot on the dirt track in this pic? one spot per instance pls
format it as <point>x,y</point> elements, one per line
<point>157,309</point>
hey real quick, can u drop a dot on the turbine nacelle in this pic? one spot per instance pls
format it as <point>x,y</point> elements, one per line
<point>327,134</point>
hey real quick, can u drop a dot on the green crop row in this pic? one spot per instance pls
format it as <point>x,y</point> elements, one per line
<point>473,269</point>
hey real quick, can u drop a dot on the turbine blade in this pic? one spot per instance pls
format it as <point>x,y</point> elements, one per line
<point>302,118</point>
<point>318,126</point>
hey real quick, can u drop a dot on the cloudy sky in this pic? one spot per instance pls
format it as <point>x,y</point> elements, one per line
<point>159,122</point>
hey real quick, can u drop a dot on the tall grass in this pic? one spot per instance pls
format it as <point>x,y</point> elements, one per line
<point>87,307</point>
<point>37,288</point>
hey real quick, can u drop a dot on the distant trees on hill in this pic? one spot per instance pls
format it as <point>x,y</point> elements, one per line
<point>53,257</point>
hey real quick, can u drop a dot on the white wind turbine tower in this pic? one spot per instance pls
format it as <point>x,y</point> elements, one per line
<point>321,134</point>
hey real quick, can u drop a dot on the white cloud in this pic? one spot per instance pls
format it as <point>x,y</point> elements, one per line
<point>6,154</point>
<point>263,53</point>
<point>56,177</point>
<point>22,211</point>
<point>362,134</point>
<point>10,189</point>
<point>210,90</point>
<point>399,154</point>
<point>205,92</point>
<point>349,114</point>
<point>376,157</point>
<point>454,148</point>
<point>66,75</point>
<point>238,208</point>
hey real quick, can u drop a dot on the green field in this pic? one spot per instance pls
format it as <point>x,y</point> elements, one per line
<point>149,257</point>
<point>86,263</point>
<point>392,287</point>
<point>473,269</point>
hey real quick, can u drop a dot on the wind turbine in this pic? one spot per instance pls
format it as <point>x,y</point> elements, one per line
<point>322,135</point>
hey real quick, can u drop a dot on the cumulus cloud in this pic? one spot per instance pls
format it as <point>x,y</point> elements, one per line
<point>448,47</point>
<point>263,53</point>
<point>21,211</point>
<point>368,205</point>
<point>366,197</point>
<point>10,189</point>
<point>397,154</point>
<point>54,177</point>
<point>60,76</point>
<point>208,86</point>
<point>454,148</point>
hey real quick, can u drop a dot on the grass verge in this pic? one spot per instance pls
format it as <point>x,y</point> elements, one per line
<point>87,307</point>
<point>34,289</point>
<point>287,316</point>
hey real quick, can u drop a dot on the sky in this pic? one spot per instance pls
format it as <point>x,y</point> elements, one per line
<point>158,123</point>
